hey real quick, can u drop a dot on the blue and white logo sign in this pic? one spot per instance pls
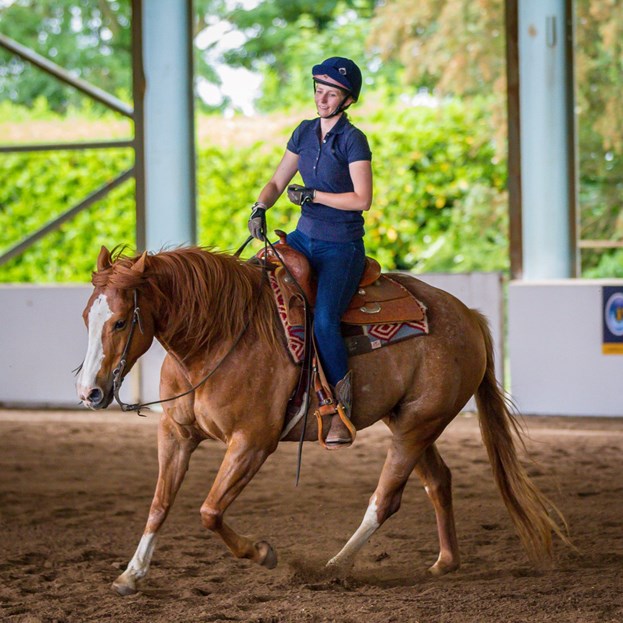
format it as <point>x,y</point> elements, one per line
<point>612,320</point>
<point>614,314</point>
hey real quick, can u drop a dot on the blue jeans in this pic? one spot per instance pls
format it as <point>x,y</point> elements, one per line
<point>338,267</point>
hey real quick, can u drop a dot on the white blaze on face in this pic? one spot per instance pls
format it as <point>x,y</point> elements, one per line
<point>99,313</point>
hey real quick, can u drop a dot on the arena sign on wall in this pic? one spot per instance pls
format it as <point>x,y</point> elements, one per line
<point>557,346</point>
<point>612,297</point>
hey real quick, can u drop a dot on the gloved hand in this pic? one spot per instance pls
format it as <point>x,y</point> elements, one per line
<point>257,221</point>
<point>300,195</point>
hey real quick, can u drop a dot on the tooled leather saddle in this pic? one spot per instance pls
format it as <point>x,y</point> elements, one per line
<point>378,300</point>
<point>380,304</point>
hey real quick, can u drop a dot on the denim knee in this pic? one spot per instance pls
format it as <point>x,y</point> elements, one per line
<point>327,322</point>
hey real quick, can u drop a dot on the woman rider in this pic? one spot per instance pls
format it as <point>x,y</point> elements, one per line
<point>334,160</point>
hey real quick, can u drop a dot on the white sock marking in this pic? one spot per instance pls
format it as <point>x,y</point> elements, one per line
<point>139,565</point>
<point>368,527</point>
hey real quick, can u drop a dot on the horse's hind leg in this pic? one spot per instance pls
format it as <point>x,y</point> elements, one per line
<point>437,481</point>
<point>404,453</point>
<point>241,462</point>
<point>174,450</point>
<point>410,450</point>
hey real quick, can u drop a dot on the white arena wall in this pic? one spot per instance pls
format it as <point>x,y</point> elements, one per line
<point>43,339</point>
<point>557,365</point>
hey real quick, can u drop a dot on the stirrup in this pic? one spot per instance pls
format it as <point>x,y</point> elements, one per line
<point>347,425</point>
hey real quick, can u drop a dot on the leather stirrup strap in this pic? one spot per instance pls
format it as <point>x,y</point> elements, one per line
<point>326,401</point>
<point>327,405</point>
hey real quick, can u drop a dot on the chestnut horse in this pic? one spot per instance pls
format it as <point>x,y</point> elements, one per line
<point>215,313</point>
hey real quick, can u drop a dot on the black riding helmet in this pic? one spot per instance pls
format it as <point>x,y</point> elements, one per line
<point>345,72</point>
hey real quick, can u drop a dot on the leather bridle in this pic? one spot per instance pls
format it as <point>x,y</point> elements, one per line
<point>117,373</point>
<point>306,370</point>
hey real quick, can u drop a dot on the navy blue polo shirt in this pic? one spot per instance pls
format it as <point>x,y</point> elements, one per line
<point>323,165</point>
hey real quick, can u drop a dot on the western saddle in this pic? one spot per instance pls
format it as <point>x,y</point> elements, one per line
<point>378,300</point>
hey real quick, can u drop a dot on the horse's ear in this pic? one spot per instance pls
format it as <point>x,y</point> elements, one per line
<point>139,265</point>
<point>103,259</point>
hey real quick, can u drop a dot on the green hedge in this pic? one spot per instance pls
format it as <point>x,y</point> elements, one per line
<point>36,188</point>
<point>439,205</point>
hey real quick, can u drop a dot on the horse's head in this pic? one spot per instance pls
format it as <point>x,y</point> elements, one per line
<point>120,326</point>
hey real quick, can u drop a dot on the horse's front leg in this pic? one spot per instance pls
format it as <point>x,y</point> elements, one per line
<point>175,445</point>
<point>241,462</point>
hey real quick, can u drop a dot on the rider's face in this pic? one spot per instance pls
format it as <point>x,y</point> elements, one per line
<point>328,99</point>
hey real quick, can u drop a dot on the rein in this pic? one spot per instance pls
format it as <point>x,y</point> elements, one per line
<point>306,371</point>
<point>308,367</point>
<point>117,373</point>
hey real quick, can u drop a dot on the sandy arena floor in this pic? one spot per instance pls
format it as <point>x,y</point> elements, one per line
<point>75,488</point>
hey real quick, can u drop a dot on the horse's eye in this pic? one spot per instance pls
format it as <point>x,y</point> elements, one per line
<point>120,324</point>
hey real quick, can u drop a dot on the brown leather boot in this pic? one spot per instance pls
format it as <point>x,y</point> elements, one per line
<point>341,432</point>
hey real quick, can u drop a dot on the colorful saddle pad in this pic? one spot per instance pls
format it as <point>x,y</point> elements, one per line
<point>398,321</point>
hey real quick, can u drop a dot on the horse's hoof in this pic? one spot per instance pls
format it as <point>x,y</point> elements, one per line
<point>441,568</point>
<point>338,445</point>
<point>267,555</point>
<point>340,565</point>
<point>124,588</point>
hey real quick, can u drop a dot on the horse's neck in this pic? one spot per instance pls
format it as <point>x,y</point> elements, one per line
<point>166,310</point>
<point>179,322</point>
<point>171,338</point>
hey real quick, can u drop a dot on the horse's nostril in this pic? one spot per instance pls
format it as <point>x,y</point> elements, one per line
<point>96,396</point>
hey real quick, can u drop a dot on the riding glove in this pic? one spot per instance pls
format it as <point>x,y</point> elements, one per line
<point>257,220</point>
<point>300,195</point>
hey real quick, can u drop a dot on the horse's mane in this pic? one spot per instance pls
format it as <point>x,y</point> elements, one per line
<point>202,297</point>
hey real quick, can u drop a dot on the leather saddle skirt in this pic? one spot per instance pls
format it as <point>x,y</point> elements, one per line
<point>378,300</point>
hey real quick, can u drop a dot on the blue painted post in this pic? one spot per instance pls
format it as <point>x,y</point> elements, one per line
<point>170,218</point>
<point>546,112</point>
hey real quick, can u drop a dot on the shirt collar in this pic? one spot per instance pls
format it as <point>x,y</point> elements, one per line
<point>338,128</point>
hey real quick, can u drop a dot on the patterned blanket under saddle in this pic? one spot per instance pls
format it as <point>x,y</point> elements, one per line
<point>379,314</point>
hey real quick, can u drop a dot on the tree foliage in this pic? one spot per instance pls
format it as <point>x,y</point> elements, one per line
<point>452,48</point>
<point>599,71</point>
<point>457,48</point>
<point>89,38</point>
<point>285,38</point>
<point>439,197</point>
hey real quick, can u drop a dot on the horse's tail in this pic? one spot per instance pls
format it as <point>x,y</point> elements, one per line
<point>530,510</point>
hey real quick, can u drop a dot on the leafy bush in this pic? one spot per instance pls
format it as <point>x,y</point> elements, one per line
<point>439,203</point>
<point>606,264</point>
<point>37,188</point>
<point>439,198</point>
